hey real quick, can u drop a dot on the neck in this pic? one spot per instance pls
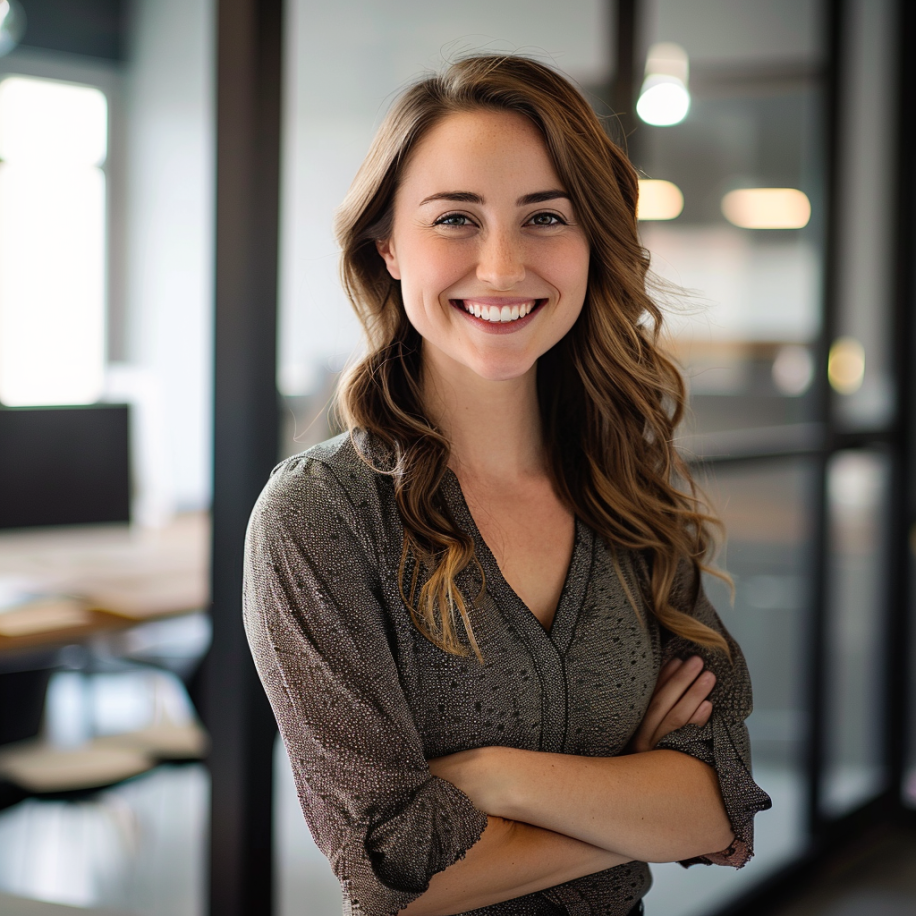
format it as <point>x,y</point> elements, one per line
<point>494,427</point>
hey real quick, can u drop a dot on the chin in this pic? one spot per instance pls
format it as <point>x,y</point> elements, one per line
<point>502,370</point>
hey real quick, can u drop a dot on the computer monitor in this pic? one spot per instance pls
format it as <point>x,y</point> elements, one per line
<point>64,465</point>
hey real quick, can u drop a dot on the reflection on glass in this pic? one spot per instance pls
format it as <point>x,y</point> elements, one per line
<point>765,509</point>
<point>793,369</point>
<point>846,365</point>
<point>858,495</point>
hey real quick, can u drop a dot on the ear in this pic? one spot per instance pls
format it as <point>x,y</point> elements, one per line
<point>386,250</point>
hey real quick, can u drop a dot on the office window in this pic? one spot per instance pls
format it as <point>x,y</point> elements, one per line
<point>53,147</point>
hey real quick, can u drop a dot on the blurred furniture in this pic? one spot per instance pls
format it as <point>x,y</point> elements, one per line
<point>89,585</point>
<point>81,581</point>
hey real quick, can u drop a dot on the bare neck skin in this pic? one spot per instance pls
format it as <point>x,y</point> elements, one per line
<point>494,427</point>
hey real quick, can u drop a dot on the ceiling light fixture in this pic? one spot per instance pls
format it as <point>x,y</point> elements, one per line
<point>767,208</point>
<point>658,200</point>
<point>664,99</point>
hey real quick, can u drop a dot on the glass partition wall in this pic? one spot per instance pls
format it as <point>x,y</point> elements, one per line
<point>741,265</point>
<point>781,238</point>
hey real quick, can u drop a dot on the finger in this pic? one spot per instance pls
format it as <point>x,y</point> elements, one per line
<point>687,706</point>
<point>667,671</point>
<point>677,682</point>
<point>701,716</point>
<point>690,702</point>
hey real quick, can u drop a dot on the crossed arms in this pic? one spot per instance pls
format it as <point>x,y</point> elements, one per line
<point>556,817</point>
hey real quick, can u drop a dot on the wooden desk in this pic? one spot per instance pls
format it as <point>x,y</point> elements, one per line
<point>114,576</point>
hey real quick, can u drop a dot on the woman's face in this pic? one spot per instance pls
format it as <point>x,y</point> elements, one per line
<point>492,264</point>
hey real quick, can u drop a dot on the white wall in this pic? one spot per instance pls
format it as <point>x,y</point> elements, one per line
<point>170,163</point>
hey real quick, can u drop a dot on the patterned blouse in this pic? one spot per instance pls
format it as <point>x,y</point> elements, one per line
<point>363,699</point>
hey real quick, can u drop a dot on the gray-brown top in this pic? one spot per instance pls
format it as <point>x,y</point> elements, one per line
<point>363,699</point>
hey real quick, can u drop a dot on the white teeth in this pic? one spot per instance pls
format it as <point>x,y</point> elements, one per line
<point>499,314</point>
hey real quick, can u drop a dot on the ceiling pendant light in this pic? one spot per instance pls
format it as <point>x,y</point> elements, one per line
<point>664,99</point>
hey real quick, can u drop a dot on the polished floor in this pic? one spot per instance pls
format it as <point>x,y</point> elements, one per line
<point>877,878</point>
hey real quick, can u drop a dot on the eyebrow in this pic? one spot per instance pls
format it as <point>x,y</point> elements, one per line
<point>469,197</point>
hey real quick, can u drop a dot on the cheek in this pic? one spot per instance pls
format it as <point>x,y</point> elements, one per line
<point>427,277</point>
<point>571,273</point>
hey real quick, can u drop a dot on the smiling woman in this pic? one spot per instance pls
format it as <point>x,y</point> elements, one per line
<point>478,614</point>
<point>466,258</point>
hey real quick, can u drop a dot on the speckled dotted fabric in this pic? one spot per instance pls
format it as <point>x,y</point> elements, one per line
<point>363,699</point>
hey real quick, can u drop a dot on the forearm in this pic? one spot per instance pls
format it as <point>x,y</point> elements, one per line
<point>660,806</point>
<point>509,860</point>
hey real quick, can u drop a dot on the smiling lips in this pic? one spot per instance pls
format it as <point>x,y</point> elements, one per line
<point>498,311</point>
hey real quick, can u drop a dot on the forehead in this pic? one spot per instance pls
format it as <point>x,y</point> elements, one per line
<point>480,150</point>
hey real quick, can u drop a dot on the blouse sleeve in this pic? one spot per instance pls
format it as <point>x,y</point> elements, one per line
<point>723,742</point>
<point>319,637</point>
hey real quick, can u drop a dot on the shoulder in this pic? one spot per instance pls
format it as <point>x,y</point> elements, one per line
<point>335,484</point>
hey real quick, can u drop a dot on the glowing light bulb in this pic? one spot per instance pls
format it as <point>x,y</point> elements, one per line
<point>664,103</point>
<point>664,99</point>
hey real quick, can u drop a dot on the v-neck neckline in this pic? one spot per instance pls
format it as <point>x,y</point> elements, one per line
<point>572,594</point>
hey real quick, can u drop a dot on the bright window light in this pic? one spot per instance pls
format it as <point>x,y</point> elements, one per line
<point>767,208</point>
<point>659,200</point>
<point>53,140</point>
<point>50,121</point>
<point>664,99</point>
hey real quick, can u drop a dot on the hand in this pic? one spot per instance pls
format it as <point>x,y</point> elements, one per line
<point>680,698</point>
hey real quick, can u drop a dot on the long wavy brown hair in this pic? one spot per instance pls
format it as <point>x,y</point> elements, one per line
<point>609,397</point>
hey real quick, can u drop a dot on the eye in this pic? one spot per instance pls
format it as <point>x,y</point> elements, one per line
<point>454,220</point>
<point>547,219</point>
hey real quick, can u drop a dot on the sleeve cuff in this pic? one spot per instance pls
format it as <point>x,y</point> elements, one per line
<point>725,748</point>
<point>432,831</point>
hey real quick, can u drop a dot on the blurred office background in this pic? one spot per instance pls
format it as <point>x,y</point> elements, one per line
<point>171,324</point>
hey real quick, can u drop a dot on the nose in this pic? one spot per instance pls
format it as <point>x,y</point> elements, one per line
<point>501,263</point>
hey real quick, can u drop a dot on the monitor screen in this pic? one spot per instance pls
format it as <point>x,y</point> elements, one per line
<point>64,465</point>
